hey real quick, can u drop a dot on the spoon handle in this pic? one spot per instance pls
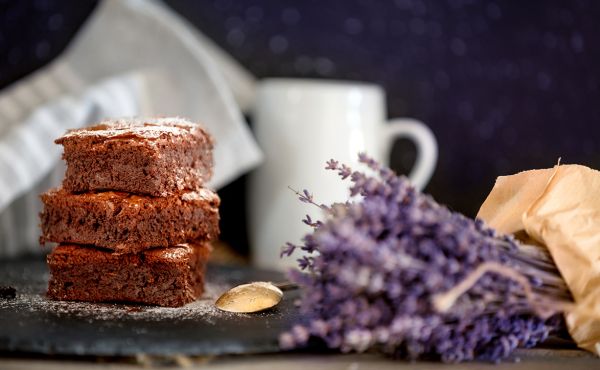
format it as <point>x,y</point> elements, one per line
<point>286,285</point>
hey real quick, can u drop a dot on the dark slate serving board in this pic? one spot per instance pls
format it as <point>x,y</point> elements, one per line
<point>32,323</point>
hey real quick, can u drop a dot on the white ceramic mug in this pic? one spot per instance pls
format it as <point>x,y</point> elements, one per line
<point>300,124</point>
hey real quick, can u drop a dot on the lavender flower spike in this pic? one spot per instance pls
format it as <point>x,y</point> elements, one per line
<point>394,271</point>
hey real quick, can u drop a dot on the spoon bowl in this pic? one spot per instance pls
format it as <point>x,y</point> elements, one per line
<point>248,298</point>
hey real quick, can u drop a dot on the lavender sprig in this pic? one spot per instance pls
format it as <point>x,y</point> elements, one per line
<point>395,271</point>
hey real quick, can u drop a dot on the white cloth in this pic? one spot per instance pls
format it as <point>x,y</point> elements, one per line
<point>30,161</point>
<point>131,58</point>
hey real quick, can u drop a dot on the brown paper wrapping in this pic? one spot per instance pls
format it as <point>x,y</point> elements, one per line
<point>559,208</point>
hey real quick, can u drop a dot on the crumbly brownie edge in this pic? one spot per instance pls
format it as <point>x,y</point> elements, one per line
<point>129,223</point>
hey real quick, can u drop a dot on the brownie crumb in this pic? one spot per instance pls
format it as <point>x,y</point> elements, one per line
<point>134,309</point>
<point>7,292</point>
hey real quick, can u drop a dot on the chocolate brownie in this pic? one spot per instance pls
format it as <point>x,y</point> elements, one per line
<point>170,276</point>
<point>129,223</point>
<point>155,156</point>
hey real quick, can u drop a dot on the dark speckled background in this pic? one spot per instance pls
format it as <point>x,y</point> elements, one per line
<point>505,85</point>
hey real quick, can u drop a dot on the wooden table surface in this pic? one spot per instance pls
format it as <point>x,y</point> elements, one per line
<point>538,359</point>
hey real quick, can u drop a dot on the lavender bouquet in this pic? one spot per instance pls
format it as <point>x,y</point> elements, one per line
<point>391,270</point>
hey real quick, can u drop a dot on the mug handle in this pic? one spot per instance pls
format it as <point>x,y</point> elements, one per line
<point>422,136</point>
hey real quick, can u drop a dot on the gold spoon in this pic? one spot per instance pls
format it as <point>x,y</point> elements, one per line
<point>253,297</point>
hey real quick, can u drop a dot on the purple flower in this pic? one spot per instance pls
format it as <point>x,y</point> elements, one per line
<point>394,271</point>
<point>306,197</point>
<point>288,250</point>
<point>331,164</point>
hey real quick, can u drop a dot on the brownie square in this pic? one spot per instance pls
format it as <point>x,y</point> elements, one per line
<point>155,156</point>
<point>170,276</point>
<point>128,223</point>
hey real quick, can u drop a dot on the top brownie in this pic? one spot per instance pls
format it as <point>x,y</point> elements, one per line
<point>156,156</point>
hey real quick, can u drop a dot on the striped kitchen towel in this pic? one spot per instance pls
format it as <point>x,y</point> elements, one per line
<point>30,161</point>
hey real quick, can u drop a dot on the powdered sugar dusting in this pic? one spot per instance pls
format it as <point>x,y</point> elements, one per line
<point>146,128</point>
<point>201,194</point>
<point>201,309</point>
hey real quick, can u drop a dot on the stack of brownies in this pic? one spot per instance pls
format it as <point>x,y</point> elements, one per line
<point>132,218</point>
